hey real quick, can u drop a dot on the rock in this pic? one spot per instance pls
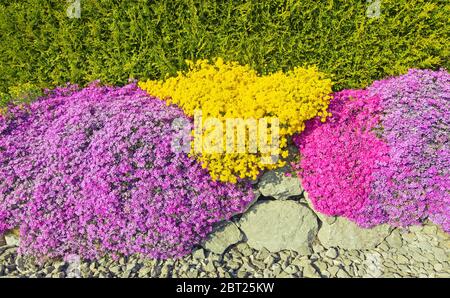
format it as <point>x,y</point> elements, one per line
<point>401,259</point>
<point>383,247</point>
<point>342,274</point>
<point>263,254</point>
<point>439,254</point>
<point>276,269</point>
<point>59,275</point>
<point>409,237</point>
<point>415,229</point>
<point>279,184</point>
<point>333,270</point>
<point>430,229</point>
<point>416,256</point>
<point>291,269</point>
<point>323,218</point>
<point>279,225</point>
<point>192,273</point>
<point>165,271</point>
<point>223,237</point>
<point>284,255</point>
<point>310,271</point>
<point>209,267</point>
<point>115,270</point>
<point>269,261</point>
<point>244,249</point>
<point>321,266</point>
<point>20,264</point>
<point>267,273</point>
<point>144,272</point>
<point>314,257</point>
<point>12,238</point>
<point>332,253</point>
<point>48,270</point>
<point>394,239</point>
<point>284,274</point>
<point>249,267</point>
<point>131,266</point>
<point>234,265</point>
<point>60,266</point>
<point>259,264</point>
<point>93,266</point>
<point>199,254</point>
<point>301,261</point>
<point>442,275</point>
<point>438,267</point>
<point>317,248</point>
<point>347,235</point>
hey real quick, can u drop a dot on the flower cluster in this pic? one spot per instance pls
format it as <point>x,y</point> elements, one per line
<point>384,154</point>
<point>339,157</point>
<point>232,91</point>
<point>93,171</point>
<point>415,184</point>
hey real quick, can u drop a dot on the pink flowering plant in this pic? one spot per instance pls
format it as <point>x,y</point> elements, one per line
<point>383,156</point>
<point>93,171</point>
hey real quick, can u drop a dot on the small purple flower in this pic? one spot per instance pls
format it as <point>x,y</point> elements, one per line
<point>92,171</point>
<point>384,155</point>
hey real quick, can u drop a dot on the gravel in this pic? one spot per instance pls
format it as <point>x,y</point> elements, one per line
<point>418,252</point>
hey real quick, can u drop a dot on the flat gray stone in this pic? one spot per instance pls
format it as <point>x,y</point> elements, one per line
<point>198,254</point>
<point>323,218</point>
<point>291,269</point>
<point>395,239</point>
<point>332,253</point>
<point>115,270</point>
<point>347,235</point>
<point>342,274</point>
<point>310,272</point>
<point>278,185</point>
<point>438,267</point>
<point>244,249</point>
<point>263,254</point>
<point>333,270</point>
<point>223,237</point>
<point>11,238</point>
<point>279,225</point>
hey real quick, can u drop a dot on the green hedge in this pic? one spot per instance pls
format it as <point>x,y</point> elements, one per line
<point>117,40</point>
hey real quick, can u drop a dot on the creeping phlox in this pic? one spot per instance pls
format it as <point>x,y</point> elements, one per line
<point>92,172</point>
<point>271,108</point>
<point>415,184</point>
<point>384,155</point>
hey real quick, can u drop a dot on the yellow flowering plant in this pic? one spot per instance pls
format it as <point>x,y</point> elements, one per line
<point>278,104</point>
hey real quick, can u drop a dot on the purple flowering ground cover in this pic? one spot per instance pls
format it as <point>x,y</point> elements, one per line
<point>415,184</point>
<point>384,155</point>
<point>92,171</point>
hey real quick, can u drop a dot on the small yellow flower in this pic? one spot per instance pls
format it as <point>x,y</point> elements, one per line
<point>227,90</point>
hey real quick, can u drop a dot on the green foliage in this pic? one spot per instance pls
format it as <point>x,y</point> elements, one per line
<point>117,40</point>
<point>19,94</point>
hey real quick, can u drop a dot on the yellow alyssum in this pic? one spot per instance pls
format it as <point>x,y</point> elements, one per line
<point>228,90</point>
